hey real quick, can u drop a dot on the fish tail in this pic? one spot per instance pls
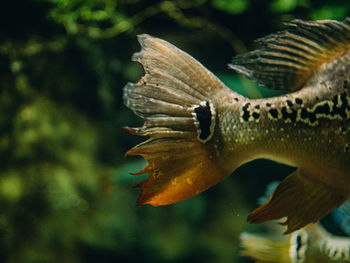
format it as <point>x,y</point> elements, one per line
<point>264,249</point>
<point>273,249</point>
<point>177,99</point>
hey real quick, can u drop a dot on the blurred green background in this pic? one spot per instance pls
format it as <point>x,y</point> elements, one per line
<point>66,193</point>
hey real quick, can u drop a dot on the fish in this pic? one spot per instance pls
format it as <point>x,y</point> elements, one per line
<point>311,244</point>
<point>200,131</point>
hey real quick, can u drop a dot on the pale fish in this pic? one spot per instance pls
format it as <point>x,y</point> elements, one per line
<point>200,131</point>
<point>311,244</point>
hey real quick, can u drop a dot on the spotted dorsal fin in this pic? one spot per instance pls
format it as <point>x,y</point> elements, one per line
<point>287,59</point>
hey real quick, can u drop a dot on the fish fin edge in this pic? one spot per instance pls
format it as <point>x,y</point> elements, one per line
<point>288,59</point>
<point>301,199</point>
<point>177,169</point>
<point>264,248</point>
<point>177,98</point>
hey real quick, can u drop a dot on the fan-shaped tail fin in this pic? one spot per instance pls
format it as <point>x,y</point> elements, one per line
<point>177,99</point>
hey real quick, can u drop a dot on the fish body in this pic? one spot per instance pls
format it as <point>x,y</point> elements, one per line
<point>200,131</point>
<point>294,129</point>
<point>311,244</point>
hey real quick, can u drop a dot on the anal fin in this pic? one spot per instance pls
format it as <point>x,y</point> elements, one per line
<point>301,199</point>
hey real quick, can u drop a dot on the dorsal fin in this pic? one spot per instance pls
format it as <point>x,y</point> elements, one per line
<point>287,59</point>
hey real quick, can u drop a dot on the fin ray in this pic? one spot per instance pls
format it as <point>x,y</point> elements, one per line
<point>312,43</point>
<point>174,172</point>
<point>146,106</point>
<point>264,250</point>
<point>176,98</point>
<point>169,94</point>
<point>301,199</point>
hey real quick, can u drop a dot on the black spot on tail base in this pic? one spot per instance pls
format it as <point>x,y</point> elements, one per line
<point>204,115</point>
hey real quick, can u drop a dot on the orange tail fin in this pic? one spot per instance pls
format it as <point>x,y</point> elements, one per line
<point>176,97</point>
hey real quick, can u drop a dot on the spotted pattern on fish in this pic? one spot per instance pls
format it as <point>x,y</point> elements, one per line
<point>273,114</point>
<point>250,114</point>
<point>298,101</point>
<point>337,108</point>
<point>288,114</point>
<point>246,112</point>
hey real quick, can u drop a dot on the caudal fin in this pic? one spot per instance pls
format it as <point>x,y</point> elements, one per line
<point>176,98</point>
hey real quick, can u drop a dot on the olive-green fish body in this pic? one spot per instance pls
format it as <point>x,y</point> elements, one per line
<point>200,131</point>
<point>308,128</point>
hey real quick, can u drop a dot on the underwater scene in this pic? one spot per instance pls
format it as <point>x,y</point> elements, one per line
<point>79,79</point>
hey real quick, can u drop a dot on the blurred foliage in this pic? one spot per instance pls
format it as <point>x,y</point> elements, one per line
<point>66,194</point>
<point>234,7</point>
